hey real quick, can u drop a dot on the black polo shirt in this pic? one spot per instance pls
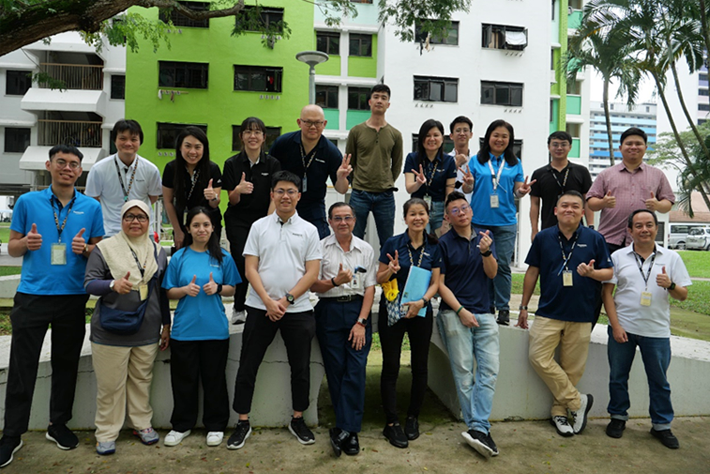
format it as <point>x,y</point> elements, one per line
<point>197,198</point>
<point>287,150</point>
<point>254,206</point>
<point>551,183</point>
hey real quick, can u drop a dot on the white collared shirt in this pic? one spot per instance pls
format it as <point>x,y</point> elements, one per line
<point>283,249</point>
<point>459,174</point>
<point>360,255</point>
<point>653,320</point>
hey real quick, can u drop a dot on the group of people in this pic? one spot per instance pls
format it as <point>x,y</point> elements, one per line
<point>282,250</point>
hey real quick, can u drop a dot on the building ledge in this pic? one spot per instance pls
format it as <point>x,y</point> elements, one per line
<point>34,157</point>
<point>37,99</point>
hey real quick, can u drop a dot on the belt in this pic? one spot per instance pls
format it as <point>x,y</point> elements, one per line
<point>342,299</point>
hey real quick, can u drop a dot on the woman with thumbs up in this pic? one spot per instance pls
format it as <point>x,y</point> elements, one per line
<point>198,276</point>
<point>191,180</point>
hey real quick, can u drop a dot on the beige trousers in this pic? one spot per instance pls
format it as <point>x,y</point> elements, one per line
<point>573,340</point>
<point>123,378</point>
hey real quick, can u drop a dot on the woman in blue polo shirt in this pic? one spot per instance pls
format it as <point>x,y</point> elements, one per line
<point>498,180</point>
<point>429,173</point>
<point>198,275</point>
<point>399,253</point>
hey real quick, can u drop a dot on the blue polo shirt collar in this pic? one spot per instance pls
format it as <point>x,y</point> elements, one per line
<point>576,233</point>
<point>497,158</point>
<point>53,197</point>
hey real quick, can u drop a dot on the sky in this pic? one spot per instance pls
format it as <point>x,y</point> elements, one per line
<point>597,88</point>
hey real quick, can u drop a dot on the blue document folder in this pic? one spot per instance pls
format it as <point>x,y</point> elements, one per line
<point>416,286</point>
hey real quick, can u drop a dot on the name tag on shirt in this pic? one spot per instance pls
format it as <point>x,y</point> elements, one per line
<point>567,278</point>
<point>357,282</point>
<point>59,254</point>
<point>494,201</point>
<point>646,298</point>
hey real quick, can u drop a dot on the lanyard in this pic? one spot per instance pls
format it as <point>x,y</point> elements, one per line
<point>566,258</point>
<point>494,177</point>
<point>140,267</point>
<point>433,172</point>
<point>120,178</point>
<point>639,262</point>
<point>421,255</point>
<point>60,229</point>
<point>195,176</point>
<point>303,158</point>
<point>564,181</point>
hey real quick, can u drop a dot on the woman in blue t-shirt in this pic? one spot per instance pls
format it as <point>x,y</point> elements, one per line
<point>399,253</point>
<point>198,275</point>
<point>497,181</point>
<point>429,173</point>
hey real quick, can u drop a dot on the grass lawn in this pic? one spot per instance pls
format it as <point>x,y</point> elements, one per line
<point>5,232</point>
<point>5,271</point>
<point>697,262</point>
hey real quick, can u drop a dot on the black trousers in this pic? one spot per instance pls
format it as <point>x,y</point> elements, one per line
<point>190,362</point>
<point>297,331</point>
<point>31,316</point>
<point>419,331</point>
<point>237,236</point>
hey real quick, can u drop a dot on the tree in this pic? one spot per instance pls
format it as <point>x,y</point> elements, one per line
<point>25,21</point>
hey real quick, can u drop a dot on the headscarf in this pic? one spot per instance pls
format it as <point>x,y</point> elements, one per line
<point>117,250</point>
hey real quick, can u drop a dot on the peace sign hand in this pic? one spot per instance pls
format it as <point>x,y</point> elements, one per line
<point>419,177</point>
<point>467,176</point>
<point>394,262</point>
<point>525,188</point>
<point>345,169</point>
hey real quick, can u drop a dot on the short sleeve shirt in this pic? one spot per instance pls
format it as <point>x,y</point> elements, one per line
<point>437,172</point>
<point>255,205</point>
<point>195,195</point>
<point>551,183</point>
<point>360,254</point>
<point>483,213</point>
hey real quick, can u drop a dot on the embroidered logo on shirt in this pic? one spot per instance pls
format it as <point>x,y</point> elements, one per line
<point>319,161</point>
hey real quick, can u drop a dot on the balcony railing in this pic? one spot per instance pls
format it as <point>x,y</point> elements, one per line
<point>74,76</point>
<point>69,132</point>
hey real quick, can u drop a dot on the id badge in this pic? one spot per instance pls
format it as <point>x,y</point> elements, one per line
<point>494,201</point>
<point>184,217</point>
<point>144,291</point>
<point>59,254</point>
<point>645,298</point>
<point>304,183</point>
<point>427,200</point>
<point>356,282</point>
<point>567,278</point>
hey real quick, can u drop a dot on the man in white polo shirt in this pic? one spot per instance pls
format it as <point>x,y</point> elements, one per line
<point>123,176</point>
<point>282,261</point>
<point>646,275</point>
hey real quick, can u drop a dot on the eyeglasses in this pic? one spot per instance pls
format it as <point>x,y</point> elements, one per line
<point>559,145</point>
<point>462,130</point>
<point>252,133</point>
<point>340,219</point>
<point>281,192</point>
<point>139,217</point>
<point>61,163</point>
<point>455,211</point>
<point>310,124</point>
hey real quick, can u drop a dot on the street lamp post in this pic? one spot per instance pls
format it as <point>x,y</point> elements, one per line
<point>312,58</point>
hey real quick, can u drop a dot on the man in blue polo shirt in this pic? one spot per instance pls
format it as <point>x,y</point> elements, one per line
<point>468,329</point>
<point>54,231</point>
<point>313,158</point>
<point>572,261</point>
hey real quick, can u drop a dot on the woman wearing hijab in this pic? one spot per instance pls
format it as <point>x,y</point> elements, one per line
<point>126,271</point>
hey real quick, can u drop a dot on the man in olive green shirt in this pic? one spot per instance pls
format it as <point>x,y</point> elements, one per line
<point>376,149</point>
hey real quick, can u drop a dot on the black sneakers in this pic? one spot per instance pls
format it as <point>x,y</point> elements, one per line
<point>395,435</point>
<point>615,428</point>
<point>240,435</point>
<point>481,442</point>
<point>9,445</point>
<point>411,428</point>
<point>503,317</point>
<point>351,446</point>
<point>298,428</point>
<point>63,436</point>
<point>666,437</point>
<point>338,437</point>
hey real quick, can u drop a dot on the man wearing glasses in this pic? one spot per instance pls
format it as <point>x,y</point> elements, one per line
<point>313,158</point>
<point>555,178</point>
<point>461,133</point>
<point>54,231</point>
<point>346,287</point>
<point>283,257</point>
<point>467,327</point>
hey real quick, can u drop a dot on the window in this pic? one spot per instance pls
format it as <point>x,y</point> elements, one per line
<point>18,82</point>
<point>179,74</point>
<point>704,107</point>
<point>505,37</point>
<point>327,96</point>
<point>17,139</point>
<point>357,98</point>
<point>255,78</point>
<point>254,18</point>
<point>450,37</point>
<point>118,87</point>
<point>502,93</point>
<point>703,76</point>
<point>272,133</point>
<point>703,92</point>
<point>361,45</point>
<point>328,42</point>
<point>180,20</point>
<point>168,132</point>
<point>439,89</point>
<point>574,87</point>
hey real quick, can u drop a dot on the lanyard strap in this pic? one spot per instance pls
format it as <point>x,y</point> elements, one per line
<point>60,228</point>
<point>194,177</point>
<point>640,262</point>
<point>430,178</point>
<point>494,177</point>
<point>141,268</point>
<point>566,258</point>
<point>421,256</point>
<point>564,181</point>
<point>303,158</point>
<point>120,178</point>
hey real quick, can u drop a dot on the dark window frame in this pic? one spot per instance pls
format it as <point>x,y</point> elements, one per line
<point>358,98</point>
<point>21,81</point>
<point>420,35</point>
<point>496,91</point>
<point>195,75</point>
<point>118,86</point>
<point>360,42</point>
<point>21,139</point>
<point>328,42</point>
<point>268,15</point>
<point>327,96</point>
<point>436,89</point>
<point>276,73</point>
<point>493,36</point>
<point>166,133</point>
<point>182,21</point>
<point>272,133</point>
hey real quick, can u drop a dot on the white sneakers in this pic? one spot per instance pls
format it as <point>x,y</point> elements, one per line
<point>175,437</point>
<point>239,317</point>
<point>580,416</point>
<point>562,426</point>
<point>214,438</point>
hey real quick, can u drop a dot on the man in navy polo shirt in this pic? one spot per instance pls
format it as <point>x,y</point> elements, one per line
<point>572,261</point>
<point>468,329</point>
<point>313,158</point>
<point>54,231</point>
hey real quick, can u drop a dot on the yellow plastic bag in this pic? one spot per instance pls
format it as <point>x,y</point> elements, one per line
<point>390,289</point>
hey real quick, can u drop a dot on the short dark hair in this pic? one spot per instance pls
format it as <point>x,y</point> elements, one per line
<point>630,221</point>
<point>336,206</point>
<point>380,88</point>
<point>571,192</point>
<point>461,119</point>
<point>285,176</point>
<point>69,149</point>
<point>631,132</point>
<point>559,135</point>
<point>453,196</point>
<point>130,125</point>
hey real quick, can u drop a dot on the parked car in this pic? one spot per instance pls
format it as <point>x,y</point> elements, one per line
<point>698,239</point>
<point>678,234</point>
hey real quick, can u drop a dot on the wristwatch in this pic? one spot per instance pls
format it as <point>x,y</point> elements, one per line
<point>290,298</point>
<point>219,288</point>
<point>521,307</point>
<point>487,253</point>
<point>672,287</point>
<point>362,322</point>
<point>110,285</point>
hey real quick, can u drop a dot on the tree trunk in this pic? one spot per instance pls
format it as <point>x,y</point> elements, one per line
<point>605,98</point>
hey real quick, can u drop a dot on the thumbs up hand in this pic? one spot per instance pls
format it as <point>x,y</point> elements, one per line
<point>78,243</point>
<point>209,192</point>
<point>122,286</point>
<point>343,276</point>
<point>652,203</point>
<point>609,201</point>
<point>586,270</point>
<point>192,289</point>
<point>34,239</point>
<point>663,279</point>
<point>210,287</point>
<point>244,186</point>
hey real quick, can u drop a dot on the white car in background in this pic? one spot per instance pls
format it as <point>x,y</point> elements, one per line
<point>698,239</point>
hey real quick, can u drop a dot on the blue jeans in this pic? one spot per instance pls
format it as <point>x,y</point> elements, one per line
<point>499,287</point>
<point>467,346</point>
<point>436,216</point>
<point>382,207</point>
<point>315,214</point>
<point>656,356</point>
